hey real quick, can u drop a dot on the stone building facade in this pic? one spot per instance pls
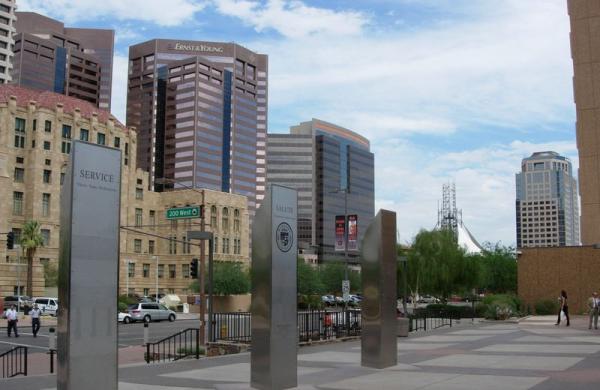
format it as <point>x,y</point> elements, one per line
<point>36,132</point>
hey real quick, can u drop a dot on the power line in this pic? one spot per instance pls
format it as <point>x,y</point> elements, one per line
<point>159,236</point>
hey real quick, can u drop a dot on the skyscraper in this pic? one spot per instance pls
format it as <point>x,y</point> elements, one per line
<point>7,30</point>
<point>73,61</point>
<point>200,109</point>
<point>547,203</point>
<point>585,51</point>
<point>333,169</point>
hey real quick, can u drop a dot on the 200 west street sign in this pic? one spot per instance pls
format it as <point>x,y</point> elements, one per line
<point>184,212</point>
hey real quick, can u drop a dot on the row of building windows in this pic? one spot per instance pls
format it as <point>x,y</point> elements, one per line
<point>186,246</point>
<point>45,233</point>
<point>159,269</point>
<point>18,200</point>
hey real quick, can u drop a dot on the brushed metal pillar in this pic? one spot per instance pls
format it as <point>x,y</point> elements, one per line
<point>89,269</point>
<point>274,320</point>
<point>379,347</point>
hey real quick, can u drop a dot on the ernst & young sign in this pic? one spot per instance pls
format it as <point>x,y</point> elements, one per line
<point>196,47</point>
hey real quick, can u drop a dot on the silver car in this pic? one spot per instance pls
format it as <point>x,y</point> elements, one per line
<point>150,312</point>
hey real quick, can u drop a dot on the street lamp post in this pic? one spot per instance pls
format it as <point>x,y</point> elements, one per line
<point>404,261</point>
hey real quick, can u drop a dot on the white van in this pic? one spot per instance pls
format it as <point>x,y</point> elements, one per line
<point>47,305</point>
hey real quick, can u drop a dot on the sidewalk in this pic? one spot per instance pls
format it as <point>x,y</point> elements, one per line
<point>51,321</point>
<point>533,354</point>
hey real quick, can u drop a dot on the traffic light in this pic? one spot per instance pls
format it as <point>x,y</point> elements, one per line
<point>10,240</point>
<point>194,269</point>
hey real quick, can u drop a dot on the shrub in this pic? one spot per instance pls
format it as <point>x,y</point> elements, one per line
<point>501,306</point>
<point>452,310</point>
<point>546,307</point>
<point>309,301</point>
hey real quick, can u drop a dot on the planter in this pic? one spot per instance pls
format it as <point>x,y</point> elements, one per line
<point>402,327</point>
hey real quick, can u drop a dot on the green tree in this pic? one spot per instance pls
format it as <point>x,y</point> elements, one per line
<point>498,269</point>
<point>332,273</point>
<point>438,266</point>
<point>309,282</point>
<point>229,278</point>
<point>31,240</point>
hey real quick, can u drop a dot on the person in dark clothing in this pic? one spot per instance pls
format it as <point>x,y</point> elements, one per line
<point>564,307</point>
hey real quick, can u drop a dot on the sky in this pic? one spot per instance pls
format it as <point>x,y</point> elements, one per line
<point>446,90</point>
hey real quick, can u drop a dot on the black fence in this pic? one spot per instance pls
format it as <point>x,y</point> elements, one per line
<point>178,346</point>
<point>431,319</point>
<point>312,325</point>
<point>14,362</point>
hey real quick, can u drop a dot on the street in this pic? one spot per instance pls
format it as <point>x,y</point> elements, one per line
<point>129,334</point>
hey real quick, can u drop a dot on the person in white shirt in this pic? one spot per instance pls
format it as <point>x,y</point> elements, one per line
<point>593,304</point>
<point>35,314</point>
<point>12,317</point>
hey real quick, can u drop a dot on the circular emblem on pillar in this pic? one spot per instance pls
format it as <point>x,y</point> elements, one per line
<point>284,237</point>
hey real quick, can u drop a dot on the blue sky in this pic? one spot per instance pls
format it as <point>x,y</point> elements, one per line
<point>446,90</point>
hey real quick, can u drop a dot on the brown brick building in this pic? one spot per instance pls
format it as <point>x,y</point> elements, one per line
<point>36,131</point>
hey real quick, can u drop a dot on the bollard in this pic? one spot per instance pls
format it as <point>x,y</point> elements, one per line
<point>52,347</point>
<point>146,333</point>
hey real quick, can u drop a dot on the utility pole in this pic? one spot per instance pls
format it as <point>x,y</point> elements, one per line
<point>156,276</point>
<point>201,275</point>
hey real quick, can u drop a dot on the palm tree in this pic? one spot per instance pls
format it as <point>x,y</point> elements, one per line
<point>31,239</point>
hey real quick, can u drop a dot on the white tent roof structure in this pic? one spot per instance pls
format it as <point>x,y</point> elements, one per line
<point>467,241</point>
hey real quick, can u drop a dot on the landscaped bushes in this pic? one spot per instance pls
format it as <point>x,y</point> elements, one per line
<point>501,306</point>
<point>546,307</point>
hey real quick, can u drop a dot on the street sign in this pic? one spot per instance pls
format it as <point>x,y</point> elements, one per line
<point>184,212</point>
<point>346,290</point>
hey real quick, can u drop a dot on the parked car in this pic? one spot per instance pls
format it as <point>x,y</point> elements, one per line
<point>47,305</point>
<point>124,317</point>
<point>339,300</point>
<point>150,312</point>
<point>329,300</point>
<point>428,299</point>
<point>24,301</point>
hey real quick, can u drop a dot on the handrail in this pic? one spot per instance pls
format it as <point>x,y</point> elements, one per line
<point>14,362</point>
<point>178,346</point>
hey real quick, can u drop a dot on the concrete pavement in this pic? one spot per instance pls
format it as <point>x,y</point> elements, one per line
<point>533,354</point>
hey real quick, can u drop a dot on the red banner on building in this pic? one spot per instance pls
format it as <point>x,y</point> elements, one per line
<point>340,232</point>
<point>353,232</point>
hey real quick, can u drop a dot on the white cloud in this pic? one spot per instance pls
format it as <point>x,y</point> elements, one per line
<point>508,67</point>
<point>119,86</point>
<point>170,13</point>
<point>409,181</point>
<point>293,18</point>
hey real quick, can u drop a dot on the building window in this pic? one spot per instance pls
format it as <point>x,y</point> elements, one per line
<point>66,139</point>
<point>47,145</point>
<point>45,237</point>
<point>47,176</point>
<point>138,217</point>
<point>151,247</point>
<point>185,271</point>
<point>216,244</point>
<point>161,271</point>
<point>139,193</point>
<point>225,245</point>
<point>146,271</point>
<point>236,220</point>
<point>101,139</point>
<point>84,135</point>
<point>19,133</point>
<point>17,235</point>
<point>45,205</point>
<point>137,245</point>
<point>131,270</point>
<point>34,125</point>
<point>186,245</point>
<point>146,292</point>
<point>225,220</point>
<point>172,272</point>
<point>173,245</point>
<point>47,162</point>
<point>213,218</point>
<point>152,217</point>
<point>19,175</point>
<point>48,126</point>
<point>17,203</point>
<point>117,142</point>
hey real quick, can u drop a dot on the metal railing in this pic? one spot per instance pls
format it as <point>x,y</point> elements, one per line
<point>430,319</point>
<point>178,346</point>
<point>14,362</point>
<point>312,325</point>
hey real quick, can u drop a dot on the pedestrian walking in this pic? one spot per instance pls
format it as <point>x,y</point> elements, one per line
<point>593,303</point>
<point>35,314</point>
<point>12,317</point>
<point>564,308</point>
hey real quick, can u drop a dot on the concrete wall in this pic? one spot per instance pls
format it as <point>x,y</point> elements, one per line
<point>543,272</point>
